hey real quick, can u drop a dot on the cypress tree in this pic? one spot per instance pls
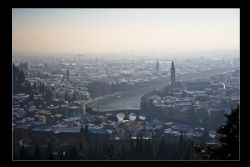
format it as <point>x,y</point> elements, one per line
<point>228,148</point>
<point>80,146</point>
<point>37,153</point>
<point>50,152</point>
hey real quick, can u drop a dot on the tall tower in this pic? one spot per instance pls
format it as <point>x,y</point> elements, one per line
<point>157,66</point>
<point>67,75</point>
<point>172,74</point>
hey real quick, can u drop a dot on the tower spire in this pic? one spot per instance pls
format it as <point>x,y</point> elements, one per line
<point>172,74</point>
<point>157,66</point>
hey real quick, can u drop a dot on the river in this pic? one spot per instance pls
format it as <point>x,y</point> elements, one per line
<point>130,101</point>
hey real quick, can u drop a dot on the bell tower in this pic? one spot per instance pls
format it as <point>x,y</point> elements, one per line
<point>172,74</point>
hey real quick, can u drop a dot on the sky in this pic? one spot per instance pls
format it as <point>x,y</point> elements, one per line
<point>118,30</point>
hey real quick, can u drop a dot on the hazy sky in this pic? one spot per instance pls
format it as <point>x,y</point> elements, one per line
<point>111,30</point>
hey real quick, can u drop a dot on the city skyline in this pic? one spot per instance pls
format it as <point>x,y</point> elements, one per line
<point>125,84</point>
<point>118,30</point>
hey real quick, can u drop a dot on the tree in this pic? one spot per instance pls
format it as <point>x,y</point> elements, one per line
<point>18,79</point>
<point>21,77</point>
<point>15,78</point>
<point>37,153</point>
<point>50,152</point>
<point>123,150</point>
<point>61,156</point>
<point>66,156</point>
<point>86,131</point>
<point>22,152</point>
<point>205,136</point>
<point>161,150</point>
<point>131,144</point>
<point>15,73</point>
<point>80,146</point>
<point>149,149</point>
<point>137,145</point>
<point>73,153</point>
<point>81,130</point>
<point>180,148</point>
<point>28,88</point>
<point>229,139</point>
<point>228,148</point>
